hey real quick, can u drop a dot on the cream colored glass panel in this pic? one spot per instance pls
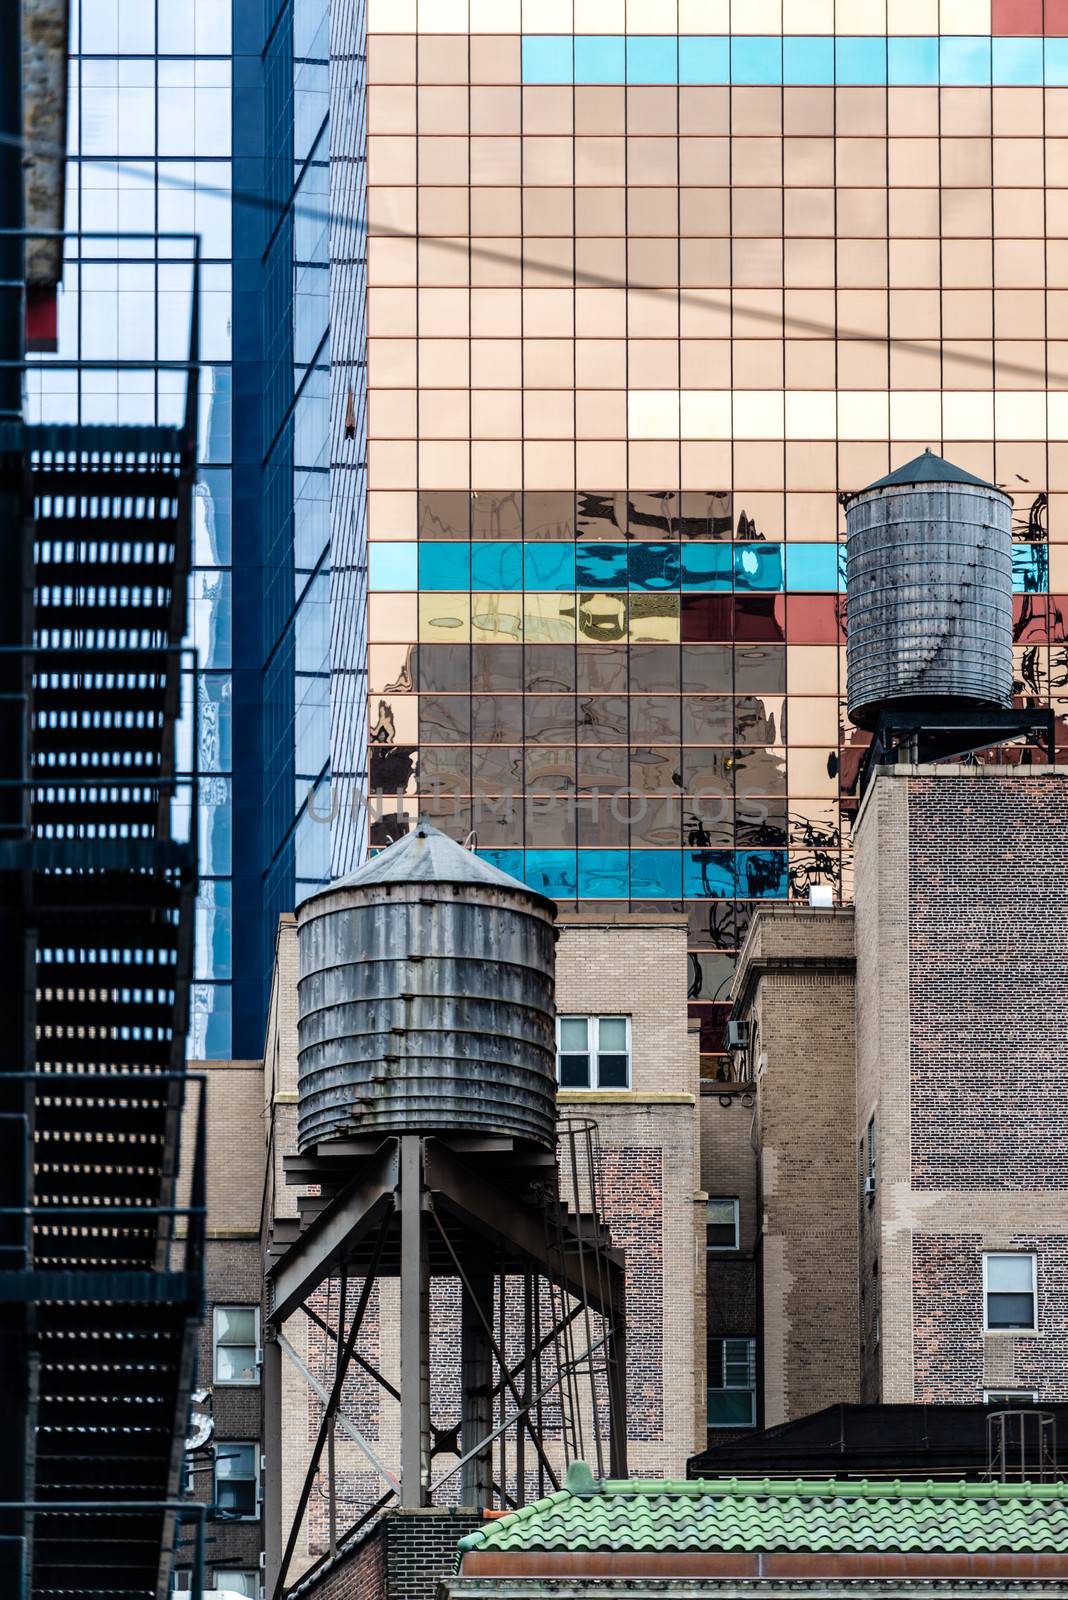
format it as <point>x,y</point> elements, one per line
<point>445,617</point>
<point>497,618</point>
<point>549,618</point>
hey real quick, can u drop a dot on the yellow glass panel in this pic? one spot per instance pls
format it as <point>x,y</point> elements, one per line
<point>603,617</point>
<point>497,617</point>
<point>654,618</point>
<point>549,618</point>
<point>445,617</point>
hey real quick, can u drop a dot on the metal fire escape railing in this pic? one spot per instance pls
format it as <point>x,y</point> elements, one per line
<point>98,860</point>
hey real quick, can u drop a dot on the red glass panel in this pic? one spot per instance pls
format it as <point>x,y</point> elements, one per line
<point>1016,16</point>
<point>759,618</point>
<point>706,617</point>
<point>812,619</point>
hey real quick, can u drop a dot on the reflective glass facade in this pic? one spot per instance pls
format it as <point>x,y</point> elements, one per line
<point>651,283</point>
<point>149,136</point>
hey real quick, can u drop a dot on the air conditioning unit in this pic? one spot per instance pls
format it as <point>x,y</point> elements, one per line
<point>868,1186</point>
<point>737,1035</point>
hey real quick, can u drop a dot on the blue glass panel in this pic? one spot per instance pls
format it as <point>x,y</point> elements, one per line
<point>1056,62</point>
<point>704,59</point>
<point>812,566</point>
<point>842,569</point>
<point>496,566</point>
<point>860,60</point>
<point>510,861</point>
<point>808,60</point>
<point>654,566</point>
<point>758,566</point>
<point>1016,61</point>
<point>549,566</point>
<point>652,58</point>
<point>393,566</point>
<point>762,874</point>
<point>655,874</point>
<point>707,566</point>
<point>756,59</point>
<point>600,58</point>
<point>551,872</point>
<point>1030,568</point>
<point>444,565</point>
<point>603,874</point>
<point>964,60</point>
<point>210,1021</point>
<point>548,58</point>
<point>601,566</point>
<point>912,61</point>
<point>708,874</point>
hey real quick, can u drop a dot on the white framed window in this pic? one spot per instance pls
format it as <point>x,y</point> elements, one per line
<point>1010,1300</point>
<point>721,1223</point>
<point>869,1186</point>
<point>593,1052</point>
<point>1010,1397</point>
<point>236,1344</point>
<point>237,1480</point>
<point>732,1383</point>
<point>182,1581</point>
<point>238,1580</point>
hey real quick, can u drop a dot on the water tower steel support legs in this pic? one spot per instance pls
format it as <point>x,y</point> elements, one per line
<point>476,1416</point>
<point>272,1451</point>
<point>414,1328</point>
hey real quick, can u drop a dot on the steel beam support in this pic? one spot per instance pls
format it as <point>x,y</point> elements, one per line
<point>414,1329</point>
<point>272,1450</point>
<point>497,1353</point>
<point>476,1403</point>
<point>327,1241</point>
<point>497,1214</point>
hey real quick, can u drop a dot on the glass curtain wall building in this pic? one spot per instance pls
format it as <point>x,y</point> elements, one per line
<point>150,153</point>
<point>651,284</point>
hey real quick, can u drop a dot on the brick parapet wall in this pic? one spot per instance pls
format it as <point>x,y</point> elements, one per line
<point>404,1557</point>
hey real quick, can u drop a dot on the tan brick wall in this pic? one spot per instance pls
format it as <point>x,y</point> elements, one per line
<point>795,985</point>
<point>635,965</point>
<point>958,875</point>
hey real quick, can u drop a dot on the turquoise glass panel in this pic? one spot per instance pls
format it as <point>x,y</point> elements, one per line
<point>964,60</point>
<point>655,874</point>
<point>603,874</point>
<point>707,566</point>
<point>601,566</point>
<point>510,861</point>
<point>548,58</point>
<point>392,566</point>
<point>496,566</point>
<point>860,60</point>
<point>704,59</point>
<point>1056,61</point>
<point>552,872</point>
<point>912,61</point>
<point>599,58</point>
<point>549,566</point>
<point>1016,61</point>
<point>652,58</point>
<point>1030,568</point>
<point>445,565</point>
<point>756,59</point>
<point>808,60</point>
<point>812,566</point>
<point>708,874</point>
<point>654,566</point>
<point>758,567</point>
<point>762,874</point>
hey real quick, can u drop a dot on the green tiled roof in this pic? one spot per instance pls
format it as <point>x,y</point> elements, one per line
<point>795,1515</point>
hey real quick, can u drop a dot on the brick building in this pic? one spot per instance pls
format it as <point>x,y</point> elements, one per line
<point>909,1076</point>
<point>611,968</point>
<point>223,1450</point>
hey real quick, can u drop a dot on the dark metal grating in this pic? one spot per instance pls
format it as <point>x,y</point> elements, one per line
<point>107,859</point>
